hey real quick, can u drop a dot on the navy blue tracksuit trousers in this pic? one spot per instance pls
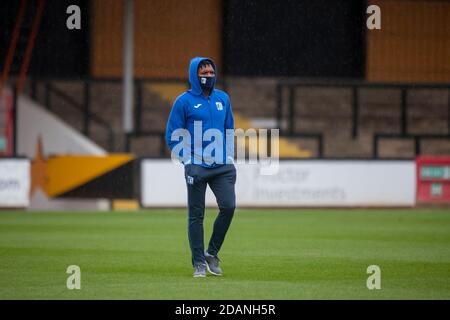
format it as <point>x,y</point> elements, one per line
<point>221,180</point>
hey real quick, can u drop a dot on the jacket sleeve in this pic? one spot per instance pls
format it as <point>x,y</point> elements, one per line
<point>229,120</point>
<point>229,134</point>
<point>177,120</point>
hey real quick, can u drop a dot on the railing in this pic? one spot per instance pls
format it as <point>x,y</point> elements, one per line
<point>138,132</point>
<point>88,116</point>
<point>416,137</point>
<point>355,86</point>
<point>83,108</point>
<point>283,87</point>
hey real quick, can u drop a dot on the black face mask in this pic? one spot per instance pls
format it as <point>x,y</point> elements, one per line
<point>206,82</point>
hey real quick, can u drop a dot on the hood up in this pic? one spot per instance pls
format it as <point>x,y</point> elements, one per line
<point>193,75</point>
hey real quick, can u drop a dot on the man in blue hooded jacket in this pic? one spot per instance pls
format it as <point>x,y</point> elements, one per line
<point>200,115</point>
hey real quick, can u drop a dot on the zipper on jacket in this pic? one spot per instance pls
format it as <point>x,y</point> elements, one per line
<point>210,111</point>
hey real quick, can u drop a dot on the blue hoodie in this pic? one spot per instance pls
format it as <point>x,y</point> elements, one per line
<point>214,112</point>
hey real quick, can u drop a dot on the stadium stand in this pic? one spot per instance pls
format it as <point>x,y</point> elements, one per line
<point>322,113</point>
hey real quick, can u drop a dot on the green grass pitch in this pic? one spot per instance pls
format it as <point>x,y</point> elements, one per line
<point>268,254</point>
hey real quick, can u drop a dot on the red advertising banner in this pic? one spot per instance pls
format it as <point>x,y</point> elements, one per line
<point>433,179</point>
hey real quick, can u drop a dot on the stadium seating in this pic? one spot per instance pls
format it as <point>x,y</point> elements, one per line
<point>326,110</point>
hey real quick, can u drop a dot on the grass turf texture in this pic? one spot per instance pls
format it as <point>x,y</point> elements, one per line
<point>268,254</point>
